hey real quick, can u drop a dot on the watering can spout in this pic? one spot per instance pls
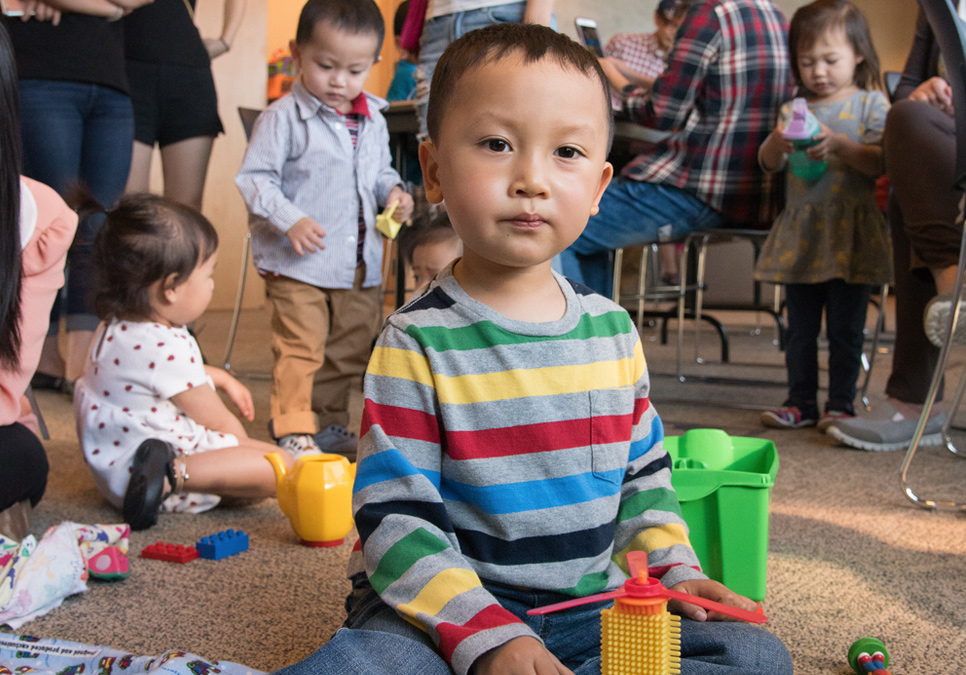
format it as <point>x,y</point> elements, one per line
<point>278,465</point>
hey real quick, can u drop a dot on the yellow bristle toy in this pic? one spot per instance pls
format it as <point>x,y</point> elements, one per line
<point>638,635</point>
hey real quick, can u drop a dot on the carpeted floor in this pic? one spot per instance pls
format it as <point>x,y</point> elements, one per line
<point>849,555</point>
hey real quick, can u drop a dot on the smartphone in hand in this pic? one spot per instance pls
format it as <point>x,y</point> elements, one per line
<point>588,36</point>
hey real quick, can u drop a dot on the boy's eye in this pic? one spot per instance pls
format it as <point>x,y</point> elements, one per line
<point>568,152</point>
<point>496,145</point>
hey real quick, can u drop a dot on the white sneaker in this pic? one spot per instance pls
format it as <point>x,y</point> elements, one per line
<point>299,445</point>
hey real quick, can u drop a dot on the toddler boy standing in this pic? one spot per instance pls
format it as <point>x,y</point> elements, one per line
<point>511,457</point>
<point>315,174</point>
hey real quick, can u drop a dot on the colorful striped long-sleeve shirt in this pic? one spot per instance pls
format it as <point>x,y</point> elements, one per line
<point>520,453</point>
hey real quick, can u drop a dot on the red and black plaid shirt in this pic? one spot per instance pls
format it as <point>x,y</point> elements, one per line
<point>727,75</point>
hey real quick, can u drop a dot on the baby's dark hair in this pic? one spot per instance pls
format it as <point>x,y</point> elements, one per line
<point>426,230</point>
<point>351,16</point>
<point>144,239</point>
<point>814,19</point>
<point>492,43</point>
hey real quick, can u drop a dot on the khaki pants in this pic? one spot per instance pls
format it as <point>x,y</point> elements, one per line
<point>321,342</point>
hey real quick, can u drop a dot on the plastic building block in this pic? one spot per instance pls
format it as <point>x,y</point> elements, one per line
<point>222,544</point>
<point>170,552</point>
<point>109,564</point>
<point>386,224</point>
<point>868,656</point>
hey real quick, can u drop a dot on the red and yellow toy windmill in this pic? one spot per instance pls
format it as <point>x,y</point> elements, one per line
<point>638,635</point>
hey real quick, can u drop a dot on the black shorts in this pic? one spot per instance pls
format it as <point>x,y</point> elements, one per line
<point>172,103</point>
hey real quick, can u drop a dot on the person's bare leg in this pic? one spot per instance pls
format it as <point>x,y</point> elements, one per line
<point>51,362</point>
<point>185,166</point>
<point>945,278</point>
<point>78,346</point>
<point>139,177</point>
<point>668,255</point>
<point>241,471</point>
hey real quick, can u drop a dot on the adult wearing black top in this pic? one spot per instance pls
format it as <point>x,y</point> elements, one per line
<point>920,153</point>
<point>175,105</point>
<point>77,127</point>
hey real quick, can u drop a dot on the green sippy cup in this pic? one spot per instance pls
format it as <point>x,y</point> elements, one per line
<point>801,131</point>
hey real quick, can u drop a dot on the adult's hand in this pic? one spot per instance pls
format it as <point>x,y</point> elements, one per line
<point>40,11</point>
<point>538,11</point>
<point>936,92</point>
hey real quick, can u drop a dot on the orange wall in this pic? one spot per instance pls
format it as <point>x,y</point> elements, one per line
<point>283,17</point>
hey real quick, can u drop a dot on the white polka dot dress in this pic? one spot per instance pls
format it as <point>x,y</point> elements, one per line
<point>124,397</point>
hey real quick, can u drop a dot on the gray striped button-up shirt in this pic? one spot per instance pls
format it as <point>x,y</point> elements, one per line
<point>301,162</point>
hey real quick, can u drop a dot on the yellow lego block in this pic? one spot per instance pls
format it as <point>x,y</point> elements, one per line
<point>386,224</point>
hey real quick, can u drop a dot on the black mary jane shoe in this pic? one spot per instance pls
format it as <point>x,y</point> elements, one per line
<point>153,461</point>
<point>44,382</point>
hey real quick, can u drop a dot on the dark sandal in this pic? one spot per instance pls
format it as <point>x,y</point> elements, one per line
<point>44,382</point>
<point>153,461</point>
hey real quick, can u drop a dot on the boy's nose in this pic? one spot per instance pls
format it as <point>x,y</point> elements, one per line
<point>531,179</point>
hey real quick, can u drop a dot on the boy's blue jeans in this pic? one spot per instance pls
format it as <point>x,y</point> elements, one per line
<point>377,641</point>
<point>632,212</point>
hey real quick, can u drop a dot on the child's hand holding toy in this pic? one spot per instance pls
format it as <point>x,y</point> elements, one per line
<point>709,590</point>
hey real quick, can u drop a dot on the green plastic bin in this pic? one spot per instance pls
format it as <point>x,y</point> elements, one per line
<point>723,484</point>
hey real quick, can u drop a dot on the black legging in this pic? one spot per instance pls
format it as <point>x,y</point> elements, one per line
<point>23,466</point>
<point>919,147</point>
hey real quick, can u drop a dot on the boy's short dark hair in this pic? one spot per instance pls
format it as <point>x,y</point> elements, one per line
<point>144,239</point>
<point>492,43</point>
<point>351,16</point>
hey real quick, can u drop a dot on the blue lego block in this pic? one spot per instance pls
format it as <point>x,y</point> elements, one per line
<point>223,544</point>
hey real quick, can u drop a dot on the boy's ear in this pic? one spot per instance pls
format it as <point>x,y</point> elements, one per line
<point>427,160</point>
<point>605,177</point>
<point>293,48</point>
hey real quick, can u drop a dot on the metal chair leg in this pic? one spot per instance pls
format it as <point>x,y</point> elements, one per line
<point>239,295</point>
<point>934,390</point>
<point>36,410</point>
<point>879,323</point>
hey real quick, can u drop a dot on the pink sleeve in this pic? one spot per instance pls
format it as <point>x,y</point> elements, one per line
<point>43,275</point>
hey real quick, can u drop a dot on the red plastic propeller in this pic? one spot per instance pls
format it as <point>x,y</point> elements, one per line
<point>640,585</point>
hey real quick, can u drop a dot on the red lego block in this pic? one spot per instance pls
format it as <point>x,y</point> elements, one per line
<point>170,552</point>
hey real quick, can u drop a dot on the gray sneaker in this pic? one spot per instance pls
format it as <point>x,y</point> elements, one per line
<point>884,435</point>
<point>338,440</point>
<point>936,318</point>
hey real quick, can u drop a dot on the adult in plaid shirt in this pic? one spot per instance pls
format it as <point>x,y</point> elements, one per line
<point>727,75</point>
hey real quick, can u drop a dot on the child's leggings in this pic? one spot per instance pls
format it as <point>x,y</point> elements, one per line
<point>845,307</point>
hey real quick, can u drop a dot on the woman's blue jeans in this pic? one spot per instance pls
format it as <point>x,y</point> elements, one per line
<point>440,31</point>
<point>377,641</point>
<point>77,134</point>
<point>632,212</point>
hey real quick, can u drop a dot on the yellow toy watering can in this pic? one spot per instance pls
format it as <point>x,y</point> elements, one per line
<point>316,496</point>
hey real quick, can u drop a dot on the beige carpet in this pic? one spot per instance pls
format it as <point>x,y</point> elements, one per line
<point>849,555</point>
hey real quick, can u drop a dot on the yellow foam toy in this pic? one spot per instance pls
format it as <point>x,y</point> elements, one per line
<point>386,224</point>
<point>640,637</point>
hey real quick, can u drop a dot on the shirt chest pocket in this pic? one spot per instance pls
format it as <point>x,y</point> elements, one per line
<point>611,425</point>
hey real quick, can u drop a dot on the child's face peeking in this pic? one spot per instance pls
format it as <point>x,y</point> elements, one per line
<point>428,259</point>
<point>334,66</point>
<point>520,160</point>
<point>187,301</point>
<point>827,67</point>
